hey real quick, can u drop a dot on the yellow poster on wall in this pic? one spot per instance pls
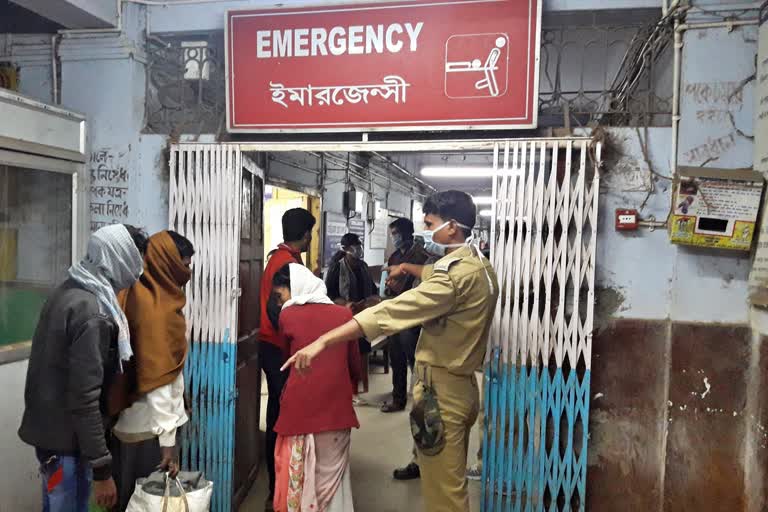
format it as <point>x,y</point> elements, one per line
<point>8,254</point>
<point>9,77</point>
<point>715,208</point>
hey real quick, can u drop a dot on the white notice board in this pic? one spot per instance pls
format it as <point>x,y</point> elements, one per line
<point>758,276</point>
<point>379,231</point>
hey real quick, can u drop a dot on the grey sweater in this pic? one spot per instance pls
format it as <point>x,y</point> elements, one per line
<point>73,360</point>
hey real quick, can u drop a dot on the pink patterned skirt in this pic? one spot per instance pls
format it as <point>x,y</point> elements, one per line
<point>312,473</point>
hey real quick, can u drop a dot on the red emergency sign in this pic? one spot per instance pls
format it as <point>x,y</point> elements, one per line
<point>421,65</point>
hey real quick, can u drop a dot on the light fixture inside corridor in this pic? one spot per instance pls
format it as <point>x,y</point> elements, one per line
<point>457,172</point>
<point>482,200</point>
<point>485,213</point>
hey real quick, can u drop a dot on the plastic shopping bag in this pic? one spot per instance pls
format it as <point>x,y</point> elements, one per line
<point>188,492</point>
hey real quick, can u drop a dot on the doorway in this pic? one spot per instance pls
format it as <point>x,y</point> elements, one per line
<point>541,226</point>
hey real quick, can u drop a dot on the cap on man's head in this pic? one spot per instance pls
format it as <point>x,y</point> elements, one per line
<point>350,239</point>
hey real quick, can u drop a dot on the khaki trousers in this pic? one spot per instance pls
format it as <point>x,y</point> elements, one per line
<point>443,476</point>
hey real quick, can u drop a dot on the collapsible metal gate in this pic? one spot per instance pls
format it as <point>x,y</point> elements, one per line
<point>204,206</point>
<point>538,368</point>
<point>537,375</point>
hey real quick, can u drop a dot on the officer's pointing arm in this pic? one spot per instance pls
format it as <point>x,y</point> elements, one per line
<point>435,297</point>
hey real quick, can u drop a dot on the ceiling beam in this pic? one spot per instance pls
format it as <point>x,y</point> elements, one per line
<point>186,17</point>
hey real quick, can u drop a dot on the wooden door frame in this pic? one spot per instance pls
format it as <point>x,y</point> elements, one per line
<point>250,166</point>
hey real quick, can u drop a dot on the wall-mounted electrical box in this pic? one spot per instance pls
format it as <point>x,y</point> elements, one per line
<point>353,200</point>
<point>715,207</point>
<point>370,210</point>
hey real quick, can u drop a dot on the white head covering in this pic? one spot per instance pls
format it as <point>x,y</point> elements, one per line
<point>306,288</point>
<point>111,264</point>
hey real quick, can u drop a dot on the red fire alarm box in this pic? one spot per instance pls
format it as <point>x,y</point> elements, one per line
<point>626,220</point>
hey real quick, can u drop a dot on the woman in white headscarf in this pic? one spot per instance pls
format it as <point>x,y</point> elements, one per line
<point>316,412</point>
<point>80,343</point>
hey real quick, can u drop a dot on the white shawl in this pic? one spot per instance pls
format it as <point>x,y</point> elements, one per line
<point>306,288</point>
<point>111,264</point>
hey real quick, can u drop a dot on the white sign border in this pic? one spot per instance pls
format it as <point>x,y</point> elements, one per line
<point>359,127</point>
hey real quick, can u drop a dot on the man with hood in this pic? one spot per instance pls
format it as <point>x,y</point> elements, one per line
<point>152,397</point>
<point>81,342</point>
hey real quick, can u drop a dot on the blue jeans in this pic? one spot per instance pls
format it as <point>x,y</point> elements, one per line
<point>66,482</point>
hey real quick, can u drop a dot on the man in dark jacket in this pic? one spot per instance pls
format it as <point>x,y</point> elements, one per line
<point>402,346</point>
<point>349,279</point>
<point>349,283</point>
<point>79,345</point>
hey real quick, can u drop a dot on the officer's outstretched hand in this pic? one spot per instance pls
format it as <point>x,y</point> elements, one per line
<point>396,273</point>
<point>302,359</point>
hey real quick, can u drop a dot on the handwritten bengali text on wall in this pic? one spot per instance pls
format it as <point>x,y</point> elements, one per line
<point>109,185</point>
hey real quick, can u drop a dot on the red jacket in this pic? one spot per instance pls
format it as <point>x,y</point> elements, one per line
<point>319,400</point>
<point>283,255</point>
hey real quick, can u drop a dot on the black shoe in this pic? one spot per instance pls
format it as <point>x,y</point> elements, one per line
<point>392,407</point>
<point>409,472</point>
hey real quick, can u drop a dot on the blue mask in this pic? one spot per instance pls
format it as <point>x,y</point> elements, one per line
<point>397,241</point>
<point>433,247</point>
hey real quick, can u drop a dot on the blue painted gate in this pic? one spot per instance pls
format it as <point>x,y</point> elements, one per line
<point>537,373</point>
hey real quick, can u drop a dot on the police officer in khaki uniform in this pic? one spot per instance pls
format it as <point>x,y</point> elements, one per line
<point>454,305</point>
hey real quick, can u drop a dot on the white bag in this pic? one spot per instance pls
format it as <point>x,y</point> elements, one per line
<point>174,498</point>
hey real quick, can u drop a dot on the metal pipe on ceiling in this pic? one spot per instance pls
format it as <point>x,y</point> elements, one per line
<point>373,172</point>
<point>405,171</point>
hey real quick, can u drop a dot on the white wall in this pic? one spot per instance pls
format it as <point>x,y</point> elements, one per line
<point>31,53</point>
<point>20,485</point>
<point>637,267</point>
<point>712,285</point>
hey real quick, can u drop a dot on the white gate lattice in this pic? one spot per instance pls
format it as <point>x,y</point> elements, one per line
<point>539,359</point>
<point>204,206</point>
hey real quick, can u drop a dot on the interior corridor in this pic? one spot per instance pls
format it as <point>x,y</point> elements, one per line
<point>382,443</point>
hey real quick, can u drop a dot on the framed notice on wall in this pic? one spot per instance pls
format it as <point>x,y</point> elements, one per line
<point>758,276</point>
<point>418,65</point>
<point>334,227</point>
<point>379,229</point>
<point>356,225</point>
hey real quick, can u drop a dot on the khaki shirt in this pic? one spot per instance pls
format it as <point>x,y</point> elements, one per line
<point>454,305</point>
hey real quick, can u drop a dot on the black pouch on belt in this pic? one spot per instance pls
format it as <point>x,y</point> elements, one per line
<point>427,425</point>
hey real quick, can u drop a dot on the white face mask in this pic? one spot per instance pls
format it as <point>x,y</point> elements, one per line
<point>355,251</point>
<point>436,248</point>
<point>439,249</point>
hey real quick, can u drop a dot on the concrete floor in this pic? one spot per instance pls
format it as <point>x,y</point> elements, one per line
<point>382,443</point>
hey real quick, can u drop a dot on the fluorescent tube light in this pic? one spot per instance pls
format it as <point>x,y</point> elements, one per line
<point>457,172</point>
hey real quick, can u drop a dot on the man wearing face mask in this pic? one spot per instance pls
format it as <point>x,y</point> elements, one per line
<point>402,346</point>
<point>455,304</point>
<point>349,283</point>
<point>349,279</point>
